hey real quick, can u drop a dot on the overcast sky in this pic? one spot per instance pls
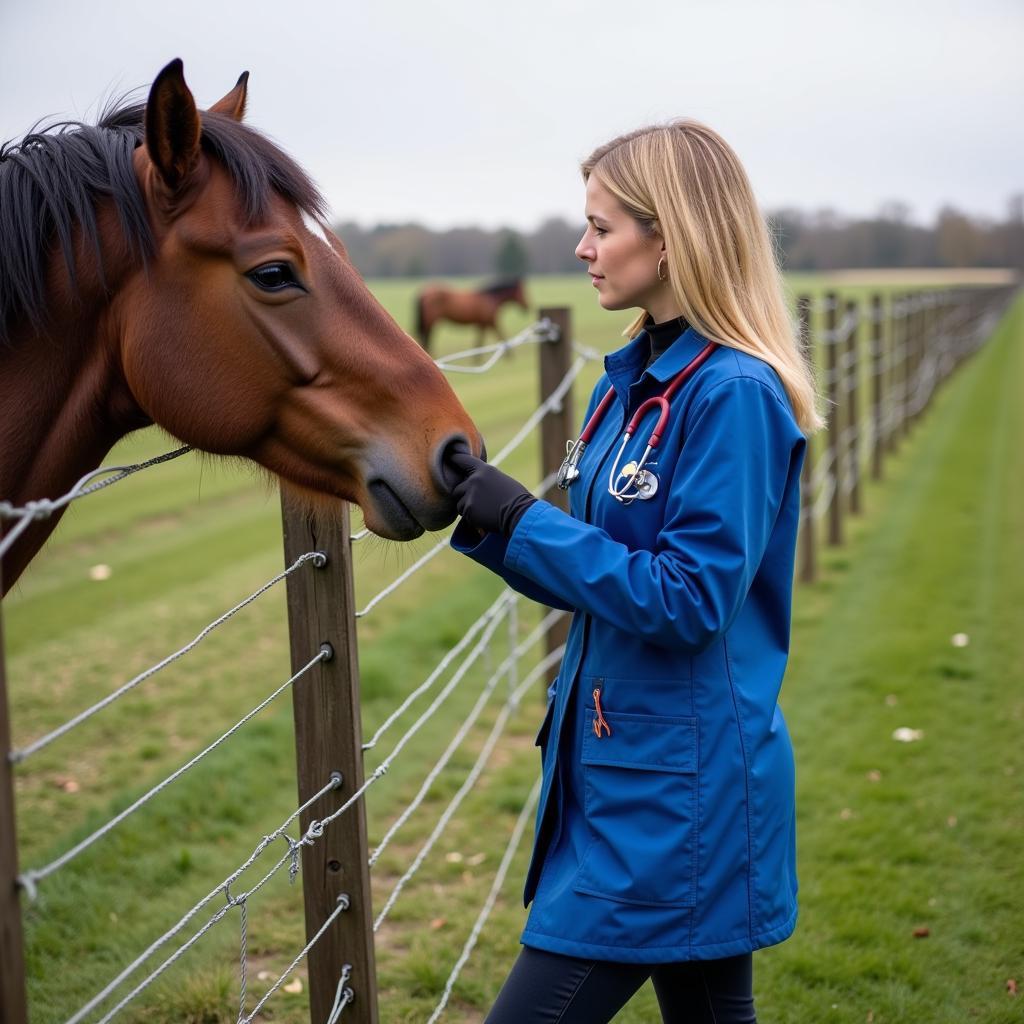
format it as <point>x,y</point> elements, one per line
<point>467,111</point>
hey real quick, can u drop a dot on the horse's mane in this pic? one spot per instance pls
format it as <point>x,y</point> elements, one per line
<point>509,284</point>
<point>53,178</point>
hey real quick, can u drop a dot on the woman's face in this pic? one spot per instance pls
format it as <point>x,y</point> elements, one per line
<point>622,261</point>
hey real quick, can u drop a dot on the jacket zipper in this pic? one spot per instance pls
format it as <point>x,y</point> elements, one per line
<point>600,722</point>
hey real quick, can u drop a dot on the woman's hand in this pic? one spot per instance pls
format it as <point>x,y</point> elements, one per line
<point>487,498</point>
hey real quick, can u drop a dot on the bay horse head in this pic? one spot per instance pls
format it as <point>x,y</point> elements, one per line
<point>172,266</point>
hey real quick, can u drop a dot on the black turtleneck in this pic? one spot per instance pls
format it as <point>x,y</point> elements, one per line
<point>662,335</point>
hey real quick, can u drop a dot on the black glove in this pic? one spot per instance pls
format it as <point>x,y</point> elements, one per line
<point>486,498</point>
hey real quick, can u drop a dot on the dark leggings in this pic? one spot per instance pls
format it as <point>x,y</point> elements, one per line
<point>548,988</point>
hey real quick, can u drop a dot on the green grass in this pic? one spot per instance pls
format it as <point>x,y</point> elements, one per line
<point>892,836</point>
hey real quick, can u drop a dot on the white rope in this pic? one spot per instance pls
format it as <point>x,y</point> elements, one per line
<point>43,508</point>
<point>223,886</point>
<point>343,996</point>
<point>399,580</point>
<point>511,660</point>
<point>30,879</point>
<point>492,897</point>
<point>542,330</point>
<point>471,779</point>
<point>505,598</point>
<point>383,767</point>
<point>552,402</point>
<point>318,558</point>
<point>343,904</point>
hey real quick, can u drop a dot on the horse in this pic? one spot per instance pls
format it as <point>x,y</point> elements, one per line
<point>172,266</point>
<point>437,302</point>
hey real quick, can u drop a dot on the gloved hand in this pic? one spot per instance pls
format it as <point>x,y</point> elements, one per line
<point>487,498</point>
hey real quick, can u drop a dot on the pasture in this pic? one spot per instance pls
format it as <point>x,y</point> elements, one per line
<point>893,837</point>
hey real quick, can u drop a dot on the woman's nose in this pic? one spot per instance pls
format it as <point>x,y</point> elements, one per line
<point>584,251</point>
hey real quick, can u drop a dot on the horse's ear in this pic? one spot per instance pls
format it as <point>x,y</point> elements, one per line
<point>233,105</point>
<point>172,127</point>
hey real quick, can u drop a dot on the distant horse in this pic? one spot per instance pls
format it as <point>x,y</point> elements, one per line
<point>170,266</point>
<point>436,302</point>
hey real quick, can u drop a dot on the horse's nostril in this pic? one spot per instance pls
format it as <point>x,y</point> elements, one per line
<point>445,473</point>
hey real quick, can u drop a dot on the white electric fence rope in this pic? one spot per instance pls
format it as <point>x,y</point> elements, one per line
<point>224,886</point>
<point>495,609</point>
<point>438,701</point>
<point>471,779</point>
<point>43,508</point>
<point>542,330</point>
<point>343,996</point>
<point>492,897</point>
<point>317,557</point>
<point>515,655</point>
<point>343,904</point>
<point>552,403</point>
<point>30,879</point>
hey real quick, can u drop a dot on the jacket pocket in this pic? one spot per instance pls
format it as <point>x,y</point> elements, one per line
<point>640,784</point>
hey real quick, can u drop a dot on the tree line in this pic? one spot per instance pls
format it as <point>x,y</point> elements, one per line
<point>822,240</point>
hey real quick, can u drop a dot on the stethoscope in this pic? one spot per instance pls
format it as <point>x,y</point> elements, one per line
<point>637,481</point>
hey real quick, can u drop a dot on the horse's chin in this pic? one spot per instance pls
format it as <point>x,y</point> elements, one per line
<point>388,516</point>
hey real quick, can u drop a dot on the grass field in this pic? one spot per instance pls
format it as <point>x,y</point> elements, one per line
<point>893,837</point>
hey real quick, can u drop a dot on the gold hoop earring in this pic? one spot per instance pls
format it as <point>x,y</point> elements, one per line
<point>660,276</point>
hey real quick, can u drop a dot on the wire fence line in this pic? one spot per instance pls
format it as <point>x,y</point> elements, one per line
<point>513,658</point>
<point>541,331</point>
<point>16,756</point>
<point>492,898</point>
<point>222,888</point>
<point>471,779</point>
<point>43,508</point>
<point>30,879</point>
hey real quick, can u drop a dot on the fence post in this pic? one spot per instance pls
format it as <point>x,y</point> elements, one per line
<point>902,369</point>
<point>558,426</point>
<point>853,397</point>
<point>877,382</point>
<point>835,449</point>
<point>328,738</point>
<point>808,565</point>
<point>13,1001</point>
<point>916,327</point>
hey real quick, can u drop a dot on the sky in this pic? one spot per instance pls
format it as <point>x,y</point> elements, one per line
<point>457,112</point>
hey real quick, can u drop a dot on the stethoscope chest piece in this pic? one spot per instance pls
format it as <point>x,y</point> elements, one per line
<point>646,484</point>
<point>643,481</point>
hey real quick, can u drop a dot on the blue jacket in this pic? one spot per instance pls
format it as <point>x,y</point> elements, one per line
<point>673,837</point>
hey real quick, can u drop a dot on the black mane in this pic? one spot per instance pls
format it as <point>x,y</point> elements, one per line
<point>509,284</point>
<point>52,180</point>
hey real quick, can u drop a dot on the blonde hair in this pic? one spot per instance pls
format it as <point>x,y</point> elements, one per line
<point>684,182</point>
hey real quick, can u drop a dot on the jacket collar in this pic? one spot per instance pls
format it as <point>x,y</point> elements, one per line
<point>625,367</point>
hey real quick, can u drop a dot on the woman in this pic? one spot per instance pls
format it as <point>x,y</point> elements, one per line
<point>665,832</point>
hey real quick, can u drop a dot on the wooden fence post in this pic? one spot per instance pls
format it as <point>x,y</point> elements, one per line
<point>559,425</point>
<point>835,449</point>
<point>877,385</point>
<point>328,739</point>
<point>914,364</point>
<point>853,418</point>
<point>906,361</point>
<point>13,1001</point>
<point>808,562</point>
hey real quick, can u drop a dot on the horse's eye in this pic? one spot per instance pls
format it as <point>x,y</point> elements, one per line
<point>274,277</point>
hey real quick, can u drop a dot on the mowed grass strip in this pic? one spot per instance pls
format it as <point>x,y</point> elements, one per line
<point>934,557</point>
